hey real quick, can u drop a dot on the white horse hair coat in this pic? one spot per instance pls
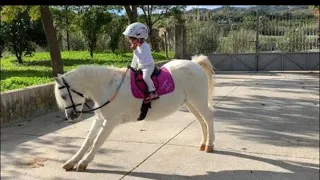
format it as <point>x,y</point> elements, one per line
<point>193,88</point>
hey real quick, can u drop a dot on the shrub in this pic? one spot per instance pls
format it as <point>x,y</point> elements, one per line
<point>204,39</point>
<point>293,41</point>
<point>238,41</point>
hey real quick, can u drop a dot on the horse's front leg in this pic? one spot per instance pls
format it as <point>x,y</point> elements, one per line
<point>96,126</point>
<point>98,142</point>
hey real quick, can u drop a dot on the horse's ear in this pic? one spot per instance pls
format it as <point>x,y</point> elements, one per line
<point>58,80</point>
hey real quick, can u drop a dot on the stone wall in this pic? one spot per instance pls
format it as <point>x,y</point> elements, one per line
<point>27,103</point>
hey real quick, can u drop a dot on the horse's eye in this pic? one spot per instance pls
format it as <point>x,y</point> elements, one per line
<point>63,97</point>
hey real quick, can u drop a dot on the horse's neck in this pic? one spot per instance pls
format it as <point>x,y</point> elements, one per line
<point>95,84</point>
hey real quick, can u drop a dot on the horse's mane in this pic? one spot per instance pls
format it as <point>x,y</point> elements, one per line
<point>93,70</point>
<point>93,73</point>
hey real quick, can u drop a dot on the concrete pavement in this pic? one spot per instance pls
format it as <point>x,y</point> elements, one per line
<point>266,126</point>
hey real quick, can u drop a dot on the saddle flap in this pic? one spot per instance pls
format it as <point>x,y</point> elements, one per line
<point>161,77</point>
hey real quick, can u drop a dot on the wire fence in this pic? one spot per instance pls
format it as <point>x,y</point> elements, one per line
<point>247,34</point>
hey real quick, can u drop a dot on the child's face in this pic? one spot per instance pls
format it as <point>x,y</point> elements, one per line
<point>133,40</point>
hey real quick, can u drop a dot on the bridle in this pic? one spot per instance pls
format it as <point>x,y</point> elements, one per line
<point>73,106</point>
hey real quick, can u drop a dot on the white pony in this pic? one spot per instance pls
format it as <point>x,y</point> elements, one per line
<point>193,88</point>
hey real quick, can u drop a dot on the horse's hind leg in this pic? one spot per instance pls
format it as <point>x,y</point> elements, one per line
<point>200,103</point>
<point>207,115</point>
<point>96,125</point>
<point>202,123</point>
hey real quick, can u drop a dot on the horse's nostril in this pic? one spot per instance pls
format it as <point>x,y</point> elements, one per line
<point>69,116</point>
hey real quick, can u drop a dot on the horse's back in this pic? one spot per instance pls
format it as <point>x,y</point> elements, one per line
<point>185,68</point>
<point>187,74</point>
<point>182,63</point>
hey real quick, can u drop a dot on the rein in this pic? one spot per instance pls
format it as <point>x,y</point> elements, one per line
<point>66,85</point>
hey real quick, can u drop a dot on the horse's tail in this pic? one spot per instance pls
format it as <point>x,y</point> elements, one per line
<point>204,62</point>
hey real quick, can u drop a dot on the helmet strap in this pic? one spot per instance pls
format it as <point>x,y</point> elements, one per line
<point>140,41</point>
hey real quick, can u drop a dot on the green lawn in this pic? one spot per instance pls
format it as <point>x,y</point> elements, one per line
<point>37,69</point>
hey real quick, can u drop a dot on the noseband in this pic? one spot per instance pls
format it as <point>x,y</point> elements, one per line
<point>73,106</point>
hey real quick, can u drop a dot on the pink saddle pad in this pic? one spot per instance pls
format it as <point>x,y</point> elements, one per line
<point>163,83</point>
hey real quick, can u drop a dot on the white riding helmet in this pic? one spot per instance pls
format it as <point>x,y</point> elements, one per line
<point>137,30</point>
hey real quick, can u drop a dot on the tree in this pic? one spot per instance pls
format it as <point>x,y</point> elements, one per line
<point>37,34</point>
<point>20,35</point>
<point>316,12</point>
<point>63,16</point>
<point>132,13</point>
<point>315,8</point>
<point>1,36</point>
<point>10,13</point>
<point>16,36</point>
<point>115,32</point>
<point>154,13</point>
<point>91,23</point>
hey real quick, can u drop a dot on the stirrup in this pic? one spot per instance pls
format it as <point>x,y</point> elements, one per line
<point>154,93</point>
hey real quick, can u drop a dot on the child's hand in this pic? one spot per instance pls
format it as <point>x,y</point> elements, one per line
<point>133,47</point>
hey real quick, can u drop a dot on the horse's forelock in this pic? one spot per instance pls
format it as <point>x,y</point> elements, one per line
<point>57,94</point>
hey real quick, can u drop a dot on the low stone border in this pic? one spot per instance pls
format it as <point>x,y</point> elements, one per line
<point>26,103</point>
<point>30,102</point>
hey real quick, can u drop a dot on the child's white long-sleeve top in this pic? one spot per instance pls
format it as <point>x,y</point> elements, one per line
<point>142,56</point>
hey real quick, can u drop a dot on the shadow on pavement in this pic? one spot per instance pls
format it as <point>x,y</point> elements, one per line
<point>295,171</point>
<point>271,120</point>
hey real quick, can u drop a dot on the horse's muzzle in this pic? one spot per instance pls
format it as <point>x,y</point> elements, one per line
<point>72,115</point>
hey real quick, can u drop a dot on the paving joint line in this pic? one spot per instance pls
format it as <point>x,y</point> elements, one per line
<point>235,88</point>
<point>140,142</point>
<point>156,150</point>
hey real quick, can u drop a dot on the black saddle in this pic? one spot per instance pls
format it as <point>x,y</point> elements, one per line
<point>138,72</point>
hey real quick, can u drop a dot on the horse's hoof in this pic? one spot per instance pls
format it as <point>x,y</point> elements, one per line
<point>68,166</point>
<point>209,149</point>
<point>82,167</point>
<point>202,147</point>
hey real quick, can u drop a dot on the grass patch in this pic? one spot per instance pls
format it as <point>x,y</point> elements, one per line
<point>37,69</point>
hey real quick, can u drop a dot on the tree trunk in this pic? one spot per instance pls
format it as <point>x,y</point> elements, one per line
<point>67,22</point>
<point>166,45</point>
<point>68,40</point>
<point>51,37</point>
<point>1,51</point>
<point>17,51</point>
<point>318,26</point>
<point>19,57</point>
<point>132,13</point>
<point>123,45</point>
<point>60,40</point>
<point>153,40</point>
<point>91,50</point>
